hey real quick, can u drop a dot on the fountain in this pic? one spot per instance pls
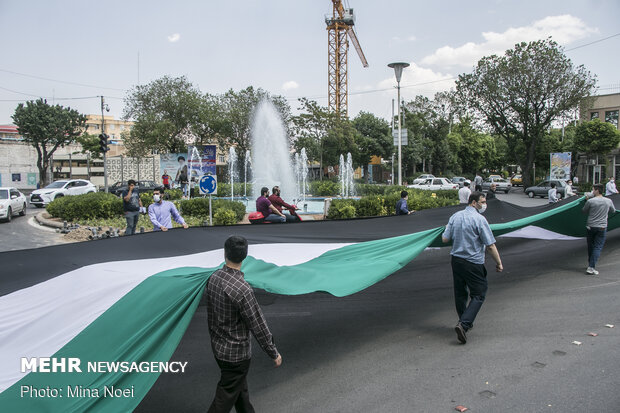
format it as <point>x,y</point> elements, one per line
<point>345,176</point>
<point>232,172</point>
<point>192,174</point>
<point>271,158</point>
<point>301,173</point>
<point>247,162</point>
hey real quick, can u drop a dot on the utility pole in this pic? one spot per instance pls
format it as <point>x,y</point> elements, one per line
<point>398,71</point>
<point>105,160</point>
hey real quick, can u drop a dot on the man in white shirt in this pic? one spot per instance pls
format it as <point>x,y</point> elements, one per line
<point>610,188</point>
<point>464,193</point>
<point>553,194</point>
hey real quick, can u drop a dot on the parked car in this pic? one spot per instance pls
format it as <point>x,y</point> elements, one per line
<point>11,202</point>
<point>422,178</point>
<point>542,189</point>
<point>495,176</point>
<point>460,180</point>
<point>502,184</point>
<point>435,184</point>
<point>143,186</point>
<point>516,180</point>
<point>57,189</point>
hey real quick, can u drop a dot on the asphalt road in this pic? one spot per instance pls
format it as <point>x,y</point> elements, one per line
<point>24,232</point>
<point>392,347</point>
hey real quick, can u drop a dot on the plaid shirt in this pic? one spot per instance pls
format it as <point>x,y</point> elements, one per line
<point>232,312</point>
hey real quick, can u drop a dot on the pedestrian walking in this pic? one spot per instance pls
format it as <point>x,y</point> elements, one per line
<point>598,209</point>
<point>552,193</point>
<point>161,212</point>
<point>471,235</point>
<point>610,188</point>
<point>131,206</point>
<point>478,183</point>
<point>232,313</point>
<point>464,193</point>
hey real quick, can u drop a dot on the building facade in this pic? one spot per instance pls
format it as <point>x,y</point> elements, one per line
<point>597,168</point>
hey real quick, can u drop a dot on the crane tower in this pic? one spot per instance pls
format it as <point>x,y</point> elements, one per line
<point>339,31</point>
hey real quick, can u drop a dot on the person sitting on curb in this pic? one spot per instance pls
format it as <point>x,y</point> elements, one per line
<point>264,206</point>
<point>161,212</point>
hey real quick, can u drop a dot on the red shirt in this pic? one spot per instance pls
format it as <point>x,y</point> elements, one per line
<point>165,179</point>
<point>277,202</point>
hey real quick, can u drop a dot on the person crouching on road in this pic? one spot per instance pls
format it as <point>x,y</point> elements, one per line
<point>264,206</point>
<point>232,314</point>
<point>401,205</point>
<point>471,235</point>
<point>161,212</point>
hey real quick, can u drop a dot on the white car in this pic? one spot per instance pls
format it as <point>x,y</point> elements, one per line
<point>66,187</point>
<point>435,184</point>
<point>11,202</point>
<point>422,178</point>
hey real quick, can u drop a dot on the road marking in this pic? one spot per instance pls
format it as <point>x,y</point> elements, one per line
<point>595,286</point>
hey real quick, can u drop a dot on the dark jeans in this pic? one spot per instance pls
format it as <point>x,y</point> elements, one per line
<point>232,389</point>
<point>470,280</point>
<point>275,218</point>
<point>596,240</point>
<point>132,221</point>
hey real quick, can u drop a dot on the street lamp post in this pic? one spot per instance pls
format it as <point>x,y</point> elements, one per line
<point>104,106</point>
<point>398,71</point>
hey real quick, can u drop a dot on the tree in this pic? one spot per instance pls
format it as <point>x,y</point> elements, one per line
<point>595,137</point>
<point>310,129</point>
<point>522,92</point>
<point>165,112</point>
<point>375,138</point>
<point>90,145</point>
<point>47,128</point>
<point>474,150</point>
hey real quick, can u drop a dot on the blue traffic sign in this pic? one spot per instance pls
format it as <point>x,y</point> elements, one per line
<point>208,184</point>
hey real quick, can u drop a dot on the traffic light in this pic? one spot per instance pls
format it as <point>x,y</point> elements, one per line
<point>103,142</point>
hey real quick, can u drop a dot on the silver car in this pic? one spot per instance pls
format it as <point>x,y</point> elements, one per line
<point>501,184</point>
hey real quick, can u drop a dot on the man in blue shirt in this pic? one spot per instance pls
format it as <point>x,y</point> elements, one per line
<point>401,205</point>
<point>161,212</point>
<point>470,234</point>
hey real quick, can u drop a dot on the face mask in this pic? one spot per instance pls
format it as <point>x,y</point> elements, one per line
<point>156,198</point>
<point>483,208</point>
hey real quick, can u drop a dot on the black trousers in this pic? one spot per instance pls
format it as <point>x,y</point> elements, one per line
<point>232,389</point>
<point>470,281</point>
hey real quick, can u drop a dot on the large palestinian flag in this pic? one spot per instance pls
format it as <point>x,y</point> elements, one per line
<point>121,306</point>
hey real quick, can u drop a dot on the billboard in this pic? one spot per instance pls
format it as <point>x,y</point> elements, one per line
<point>173,164</point>
<point>201,161</point>
<point>560,165</point>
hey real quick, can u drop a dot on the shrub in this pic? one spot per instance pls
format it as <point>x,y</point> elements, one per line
<point>195,207</point>
<point>86,206</point>
<point>223,189</point>
<point>342,209</point>
<point>324,188</point>
<point>370,207</point>
<point>237,207</point>
<point>224,217</point>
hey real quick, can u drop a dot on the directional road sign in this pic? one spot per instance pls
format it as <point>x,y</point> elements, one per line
<point>208,184</point>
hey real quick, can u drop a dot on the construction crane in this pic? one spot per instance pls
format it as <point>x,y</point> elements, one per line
<point>339,28</point>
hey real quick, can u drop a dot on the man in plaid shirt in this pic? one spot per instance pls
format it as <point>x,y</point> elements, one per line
<point>232,312</point>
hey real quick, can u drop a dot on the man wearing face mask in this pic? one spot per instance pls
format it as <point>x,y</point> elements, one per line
<point>470,234</point>
<point>161,212</point>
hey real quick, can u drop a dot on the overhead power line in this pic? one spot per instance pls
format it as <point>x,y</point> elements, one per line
<point>60,81</point>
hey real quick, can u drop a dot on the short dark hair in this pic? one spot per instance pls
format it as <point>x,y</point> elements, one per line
<point>475,196</point>
<point>264,190</point>
<point>275,188</point>
<point>131,182</point>
<point>466,183</point>
<point>159,189</point>
<point>599,188</point>
<point>552,184</point>
<point>236,249</point>
<point>403,194</point>
<point>180,157</point>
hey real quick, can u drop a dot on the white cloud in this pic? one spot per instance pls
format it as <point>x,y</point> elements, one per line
<point>418,80</point>
<point>563,29</point>
<point>291,84</point>
<point>174,37</point>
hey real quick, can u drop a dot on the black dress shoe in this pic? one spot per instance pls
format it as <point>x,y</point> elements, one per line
<point>460,333</point>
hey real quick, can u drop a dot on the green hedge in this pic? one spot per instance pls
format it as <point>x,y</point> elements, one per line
<point>380,205</point>
<point>224,217</point>
<point>87,206</point>
<point>199,207</point>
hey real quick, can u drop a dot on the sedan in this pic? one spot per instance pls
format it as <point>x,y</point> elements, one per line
<point>460,180</point>
<point>57,189</point>
<point>11,202</point>
<point>143,186</point>
<point>422,178</point>
<point>501,184</point>
<point>516,180</point>
<point>542,189</point>
<point>435,184</point>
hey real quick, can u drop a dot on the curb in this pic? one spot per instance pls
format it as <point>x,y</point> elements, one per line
<point>41,219</point>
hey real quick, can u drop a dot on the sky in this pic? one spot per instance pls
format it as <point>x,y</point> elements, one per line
<point>71,52</point>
